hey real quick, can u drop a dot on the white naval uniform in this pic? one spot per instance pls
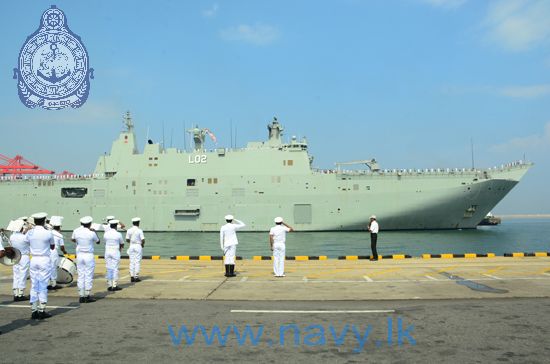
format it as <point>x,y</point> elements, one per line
<point>41,241</point>
<point>279,248</point>
<point>228,240</point>
<point>374,228</point>
<point>54,255</point>
<point>113,241</point>
<point>21,269</point>
<point>135,250</point>
<point>85,260</point>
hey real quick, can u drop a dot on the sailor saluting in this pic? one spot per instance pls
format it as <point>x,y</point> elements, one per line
<point>85,260</point>
<point>107,224</point>
<point>228,243</point>
<point>41,242</point>
<point>135,237</point>
<point>56,222</point>
<point>113,245</point>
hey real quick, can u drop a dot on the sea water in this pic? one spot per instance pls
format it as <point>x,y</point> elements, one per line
<point>517,235</point>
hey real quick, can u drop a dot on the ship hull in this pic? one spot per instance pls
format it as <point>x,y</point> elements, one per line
<point>314,202</point>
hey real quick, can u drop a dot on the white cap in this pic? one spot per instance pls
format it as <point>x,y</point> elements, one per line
<point>39,215</point>
<point>110,217</point>
<point>373,217</point>
<point>15,225</point>
<point>278,220</point>
<point>113,221</point>
<point>86,220</point>
<point>56,220</point>
<point>136,219</point>
<point>229,217</point>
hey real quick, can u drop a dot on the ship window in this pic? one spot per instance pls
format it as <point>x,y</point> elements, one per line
<point>290,162</point>
<point>191,182</point>
<point>284,162</point>
<point>215,180</point>
<point>73,192</point>
<point>156,158</point>
<point>210,181</point>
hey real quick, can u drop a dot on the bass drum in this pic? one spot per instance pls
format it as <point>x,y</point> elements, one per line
<point>66,271</point>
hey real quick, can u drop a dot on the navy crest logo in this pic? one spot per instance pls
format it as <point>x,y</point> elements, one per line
<point>53,68</point>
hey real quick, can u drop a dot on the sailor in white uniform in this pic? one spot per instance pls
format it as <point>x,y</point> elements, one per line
<point>107,224</point>
<point>229,242</point>
<point>85,260</point>
<point>113,246</point>
<point>41,242</point>
<point>21,269</point>
<point>56,222</point>
<point>135,237</point>
<point>277,240</point>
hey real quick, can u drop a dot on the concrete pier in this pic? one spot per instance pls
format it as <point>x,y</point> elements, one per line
<point>486,309</point>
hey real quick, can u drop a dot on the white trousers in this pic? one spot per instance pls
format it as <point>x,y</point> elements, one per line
<point>85,264</point>
<point>21,272</point>
<point>135,251</point>
<point>40,276</point>
<point>54,258</point>
<point>112,261</point>
<point>229,252</point>
<point>279,251</point>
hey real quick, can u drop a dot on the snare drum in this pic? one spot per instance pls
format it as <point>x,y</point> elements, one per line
<point>66,270</point>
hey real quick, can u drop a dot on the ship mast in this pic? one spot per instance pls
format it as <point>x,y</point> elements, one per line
<point>275,132</point>
<point>128,122</point>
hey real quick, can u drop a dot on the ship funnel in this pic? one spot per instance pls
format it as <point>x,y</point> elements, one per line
<point>275,132</point>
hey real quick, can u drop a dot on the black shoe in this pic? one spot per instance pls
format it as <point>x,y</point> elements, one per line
<point>50,288</point>
<point>34,315</point>
<point>82,300</point>
<point>116,289</point>
<point>20,298</point>
<point>57,287</point>
<point>15,298</point>
<point>137,280</point>
<point>90,299</point>
<point>44,315</point>
<point>132,279</point>
<point>232,270</point>
<point>110,289</point>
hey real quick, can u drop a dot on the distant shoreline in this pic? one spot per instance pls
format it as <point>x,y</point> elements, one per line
<point>524,216</point>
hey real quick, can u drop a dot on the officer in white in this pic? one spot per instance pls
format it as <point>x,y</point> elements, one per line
<point>228,243</point>
<point>113,246</point>
<point>41,242</point>
<point>85,238</point>
<point>56,222</point>
<point>277,240</point>
<point>21,269</point>
<point>107,224</point>
<point>135,237</point>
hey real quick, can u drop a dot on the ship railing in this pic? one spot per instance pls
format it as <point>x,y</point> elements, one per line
<point>480,173</point>
<point>53,177</point>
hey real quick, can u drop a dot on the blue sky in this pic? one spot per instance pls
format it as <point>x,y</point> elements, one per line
<point>409,82</point>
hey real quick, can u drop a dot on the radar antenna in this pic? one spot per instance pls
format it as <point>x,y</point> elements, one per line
<point>128,122</point>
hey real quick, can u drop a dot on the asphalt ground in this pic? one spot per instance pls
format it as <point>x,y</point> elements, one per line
<point>468,310</point>
<point>432,331</point>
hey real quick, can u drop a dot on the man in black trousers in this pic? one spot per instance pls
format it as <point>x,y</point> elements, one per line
<point>373,228</point>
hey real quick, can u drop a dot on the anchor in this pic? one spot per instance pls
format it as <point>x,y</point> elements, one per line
<point>53,78</point>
